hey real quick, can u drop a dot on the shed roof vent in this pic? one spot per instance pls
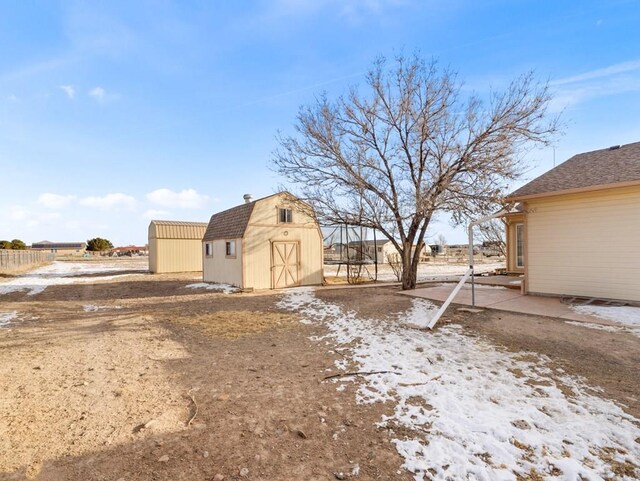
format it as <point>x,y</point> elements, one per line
<point>614,147</point>
<point>247,198</point>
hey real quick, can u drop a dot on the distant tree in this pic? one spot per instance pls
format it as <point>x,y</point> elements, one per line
<point>5,244</point>
<point>411,146</point>
<point>98,244</point>
<point>441,241</point>
<point>18,245</point>
<point>493,232</point>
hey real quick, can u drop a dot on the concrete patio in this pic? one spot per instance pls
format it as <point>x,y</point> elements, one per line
<point>506,299</point>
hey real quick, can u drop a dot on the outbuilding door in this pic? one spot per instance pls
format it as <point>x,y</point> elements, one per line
<point>285,264</point>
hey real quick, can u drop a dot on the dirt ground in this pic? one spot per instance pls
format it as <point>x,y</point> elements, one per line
<point>140,378</point>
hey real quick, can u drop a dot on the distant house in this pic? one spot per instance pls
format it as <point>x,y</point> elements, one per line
<point>267,243</point>
<point>129,251</point>
<point>576,230</point>
<point>61,248</point>
<point>175,246</point>
<point>383,250</point>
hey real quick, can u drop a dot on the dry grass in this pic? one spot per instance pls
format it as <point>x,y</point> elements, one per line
<point>338,280</point>
<point>622,469</point>
<point>236,324</point>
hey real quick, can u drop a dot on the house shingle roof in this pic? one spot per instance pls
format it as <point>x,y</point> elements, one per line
<point>229,224</point>
<point>589,169</point>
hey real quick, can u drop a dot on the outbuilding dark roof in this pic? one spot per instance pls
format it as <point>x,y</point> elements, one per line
<point>229,224</point>
<point>58,245</point>
<point>614,165</point>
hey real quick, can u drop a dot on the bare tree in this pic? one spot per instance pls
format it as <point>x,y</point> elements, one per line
<point>493,233</point>
<point>441,242</point>
<point>409,147</point>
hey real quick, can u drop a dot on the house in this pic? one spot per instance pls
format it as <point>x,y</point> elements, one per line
<point>129,251</point>
<point>267,243</point>
<point>576,229</point>
<point>175,246</point>
<point>61,248</point>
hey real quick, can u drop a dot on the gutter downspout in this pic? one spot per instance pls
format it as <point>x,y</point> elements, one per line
<point>472,224</point>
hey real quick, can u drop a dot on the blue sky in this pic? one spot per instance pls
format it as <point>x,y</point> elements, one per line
<point>115,112</point>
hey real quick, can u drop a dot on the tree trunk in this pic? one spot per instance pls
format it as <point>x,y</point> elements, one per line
<point>409,268</point>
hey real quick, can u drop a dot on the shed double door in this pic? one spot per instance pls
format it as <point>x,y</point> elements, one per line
<point>285,264</point>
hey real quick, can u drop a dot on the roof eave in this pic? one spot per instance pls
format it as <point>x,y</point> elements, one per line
<point>591,188</point>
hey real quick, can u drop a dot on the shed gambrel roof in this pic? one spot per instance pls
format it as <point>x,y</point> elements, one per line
<point>173,229</point>
<point>231,223</point>
<point>614,165</point>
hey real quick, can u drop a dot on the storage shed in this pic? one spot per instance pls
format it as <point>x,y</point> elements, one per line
<point>578,229</point>
<point>268,243</point>
<point>175,246</point>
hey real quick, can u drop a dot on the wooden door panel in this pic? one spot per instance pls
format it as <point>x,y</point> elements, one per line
<point>285,264</point>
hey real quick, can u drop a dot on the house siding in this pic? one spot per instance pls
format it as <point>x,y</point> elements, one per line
<point>585,244</point>
<point>511,221</point>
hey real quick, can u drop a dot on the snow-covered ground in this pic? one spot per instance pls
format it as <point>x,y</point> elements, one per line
<point>7,317</point>
<point>224,288</point>
<point>94,308</point>
<point>471,411</point>
<point>627,315</point>
<point>62,273</point>
<point>605,327</point>
<point>426,271</point>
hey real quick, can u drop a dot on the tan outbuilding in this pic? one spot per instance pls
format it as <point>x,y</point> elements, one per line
<point>75,249</point>
<point>578,230</point>
<point>268,243</point>
<point>175,246</point>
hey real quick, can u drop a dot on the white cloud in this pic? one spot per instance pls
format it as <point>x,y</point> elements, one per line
<point>186,199</point>
<point>98,93</point>
<point>603,82</point>
<point>13,98</point>
<point>55,201</point>
<point>29,218</point>
<point>17,212</point>
<point>109,201</point>
<point>615,69</point>
<point>156,214</point>
<point>69,90</point>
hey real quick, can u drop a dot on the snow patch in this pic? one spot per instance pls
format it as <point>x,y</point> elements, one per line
<point>7,317</point>
<point>420,314</point>
<point>471,411</point>
<point>426,271</point>
<point>622,314</point>
<point>606,328</point>
<point>224,288</point>
<point>63,273</point>
<point>93,308</point>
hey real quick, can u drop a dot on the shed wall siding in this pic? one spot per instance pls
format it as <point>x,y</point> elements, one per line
<point>153,254</point>
<point>220,268</point>
<point>263,229</point>
<point>175,255</point>
<point>585,244</point>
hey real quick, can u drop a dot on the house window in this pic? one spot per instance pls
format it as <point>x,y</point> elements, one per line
<point>284,216</point>
<point>208,249</point>
<point>380,250</point>
<point>230,247</point>
<point>520,245</point>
